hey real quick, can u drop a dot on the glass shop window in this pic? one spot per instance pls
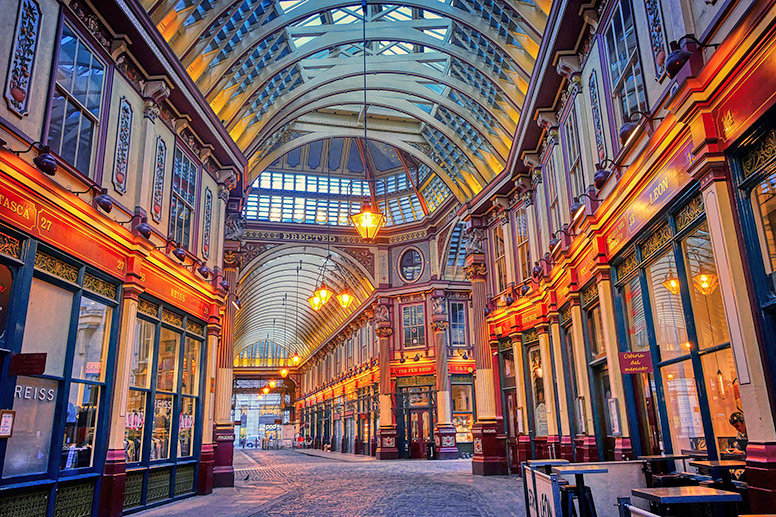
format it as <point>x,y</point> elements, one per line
<point>522,245</point>
<point>463,412</point>
<point>414,326</point>
<point>573,154</point>
<point>595,332</point>
<point>164,390</point>
<point>537,390</point>
<point>457,324</point>
<point>50,311</point>
<point>636,321</point>
<point>667,309</point>
<point>764,204</point>
<point>76,102</point>
<point>6,283</point>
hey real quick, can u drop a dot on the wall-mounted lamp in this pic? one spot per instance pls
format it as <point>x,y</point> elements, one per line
<point>416,358</point>
<point>224,285</point>
<point>627,129</point>
<point>204,271</point>
<point>679,56</point>
<point>179,253</point>
<point>555,240</point>
<point>524,289</point>
<point>602,174</point>
<point>236,303</point>
<point>144,229</point>
<point>402,360</point>
<point>578,207</point>
<point>44,162</point>
<point>537,270</point>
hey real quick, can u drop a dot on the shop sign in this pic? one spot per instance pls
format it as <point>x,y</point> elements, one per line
<point>401,371</point>
<point>93,367</point>
<point>7,418</point>
<point>27,364</point>
<point>174,292</point>
<point>34,393</point>
<point>635,362</point>
<point>43,223</point>
<point>461,368</point>
<point>669,181</point>
<point>134,420</point>
<point>586,268</point>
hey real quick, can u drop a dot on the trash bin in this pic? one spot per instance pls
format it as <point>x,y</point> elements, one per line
<point>430,451</point>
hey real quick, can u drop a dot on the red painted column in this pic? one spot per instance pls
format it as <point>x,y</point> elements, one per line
<point>386,434</point>
<point>489,439</point>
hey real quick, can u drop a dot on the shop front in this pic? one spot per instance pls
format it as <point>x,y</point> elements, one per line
<point>415,413</point>
<point>58,331</point>
<point>675,347</point>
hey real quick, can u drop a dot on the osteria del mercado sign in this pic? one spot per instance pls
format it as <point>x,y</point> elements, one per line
<point>635,362</point>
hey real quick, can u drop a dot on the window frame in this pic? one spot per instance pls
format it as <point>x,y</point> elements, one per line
<point>462,324</point>
<point>633,62</point>
<point>101,128</point>
<point>500,275</point>
<point>522,240</point>
<point>193,229</point>
<point>407,310</point>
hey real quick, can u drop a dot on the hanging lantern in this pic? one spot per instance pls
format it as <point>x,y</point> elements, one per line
<point>272,383</point>
<point>672,284</point>
<point>265,390</point>
<point>296,358</point>
<point>367,221</point>
<point>706,283</point>
<point>345,298</point>
<point>315,302</point>
<point>284,372</point>
<point>324,293</point>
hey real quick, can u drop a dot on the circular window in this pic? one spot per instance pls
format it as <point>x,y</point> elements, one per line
<point>411,265</point>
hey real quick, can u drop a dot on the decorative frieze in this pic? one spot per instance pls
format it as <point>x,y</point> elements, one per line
<point>530,336</point>
<point>656,35</point>
<point>20,67</point>
<point>656,240</point>
<point>158,187</point>
<point>195,328</point>
<point>172,318</point>
<point>100,287</point>
<point>763,153</point>
<point>124,132</point>
<point>92,24</point>
<point>56,267</point>
<point>595,107</point>
<point>589,293</point>
<point>208,220</point>
<point>148,308</point>
<point>689,213</point>
<point>10,246</point>
<point>625,267</point>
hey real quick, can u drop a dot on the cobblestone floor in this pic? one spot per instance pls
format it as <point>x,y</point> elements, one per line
<point>288,483</point>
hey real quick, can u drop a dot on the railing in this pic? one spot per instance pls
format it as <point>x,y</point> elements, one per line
<point>626,509</point>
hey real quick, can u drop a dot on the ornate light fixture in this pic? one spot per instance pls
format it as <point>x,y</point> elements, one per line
<point>273,383</point>
<point>671,282</point>
<point>296,358</point>
<point>367,222</point>
<point>265,389</point>
<point>345,298</point>
<point>284,372</point>
<point>323,292</point>
<point>706,283</point>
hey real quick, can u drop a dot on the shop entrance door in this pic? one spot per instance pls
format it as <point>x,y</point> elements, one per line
<point>603,393</point>
<point>349,435</point>
<point>415,411</point>
<point>512,430</point>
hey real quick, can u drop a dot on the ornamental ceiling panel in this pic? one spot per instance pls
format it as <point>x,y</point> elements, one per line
<point>445,79</point>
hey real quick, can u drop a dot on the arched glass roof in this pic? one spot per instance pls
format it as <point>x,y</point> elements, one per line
<point>446,79</point>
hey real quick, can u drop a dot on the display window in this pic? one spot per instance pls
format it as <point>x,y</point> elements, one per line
<point>463,412</point>
<point>165,386</point>
<point>413,324</point>
<point>668,288</point>
<point>66,315</point>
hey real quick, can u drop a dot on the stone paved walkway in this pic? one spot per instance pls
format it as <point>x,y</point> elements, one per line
<point>291,483</point>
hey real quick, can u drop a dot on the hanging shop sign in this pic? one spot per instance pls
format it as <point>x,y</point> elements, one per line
<point>653,197</point>
<point>403,371</point>
<point>635,362</point>
<point>27,364</point>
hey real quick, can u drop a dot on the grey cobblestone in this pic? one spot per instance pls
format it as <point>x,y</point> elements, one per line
<point>288,483</point>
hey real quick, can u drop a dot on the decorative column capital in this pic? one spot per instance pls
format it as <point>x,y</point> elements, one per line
<point>383,332</point>
<point>475,271</point>
<point>440,326</point>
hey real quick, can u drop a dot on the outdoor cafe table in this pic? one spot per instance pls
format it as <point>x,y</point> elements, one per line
<point>681,495</point>
<point>662,458</point>
<point>546,465</point>
<point>722,466</point>
<point>579,471</point>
